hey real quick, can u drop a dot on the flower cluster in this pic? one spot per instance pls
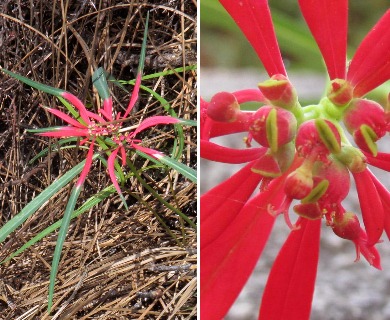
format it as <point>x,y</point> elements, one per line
<point>294,153</point>
<point>102,124</point>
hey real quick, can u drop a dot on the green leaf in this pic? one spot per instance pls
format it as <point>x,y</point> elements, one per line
<point>39,201</point>
<point>54,147</point>
<point>156,75</point>
<point>187,122</point>
<point>99,80</point>
<point>84,207</point>
<point>60,242</point>
<point>143,48</point>
<point>180,167</point>
<point>34,84</point>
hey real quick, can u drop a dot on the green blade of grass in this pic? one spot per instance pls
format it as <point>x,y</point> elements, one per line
<point>173,164</point>
<point>180,167</point>
<point>94,200</point>
<point>34,84</point>
<point>100,82</point>
<point>60,242</point>
<point>54,147</point>
<point>188,122</point>
<point>157,74</point>
<point>39,201</point>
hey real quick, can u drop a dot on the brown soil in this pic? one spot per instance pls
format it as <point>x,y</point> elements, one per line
<point>116,264</point>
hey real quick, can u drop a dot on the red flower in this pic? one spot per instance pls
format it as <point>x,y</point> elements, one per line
<point>93,126</point>
<point>304,156</point>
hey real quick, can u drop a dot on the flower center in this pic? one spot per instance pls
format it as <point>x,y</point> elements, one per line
<point>315,137</point>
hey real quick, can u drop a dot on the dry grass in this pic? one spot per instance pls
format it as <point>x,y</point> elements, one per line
<point>116,264</point>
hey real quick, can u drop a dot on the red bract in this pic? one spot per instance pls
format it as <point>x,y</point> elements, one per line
<point>254,19</point>
<point>290,287</point>
<point>328,21</point>
<point>228,259</point>
<point>370,66</point>
<point>304,156</point>
<point>371,204</point>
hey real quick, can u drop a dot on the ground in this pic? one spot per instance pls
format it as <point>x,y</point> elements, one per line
<point>116,263</point>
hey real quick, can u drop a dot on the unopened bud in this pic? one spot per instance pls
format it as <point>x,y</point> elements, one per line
<point>279,91</point>
<point>319,138</point>
<point>340,92</point>
<point>299,183</point>
<point>338,178</point>
<point>311,211</point>
<point>273,127</point>
<point>346,225</point>
<point>366,121</point>
<point>223,107</point>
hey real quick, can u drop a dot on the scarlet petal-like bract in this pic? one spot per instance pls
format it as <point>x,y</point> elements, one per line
<point>215,152</point>
<point>152,121</point>
<point>385,198</point>
<point>382,160</point>
<point>220,205</point>
<point>87,166</point>
<point>227,262</point>
<point>66,118</point>
<point>254,19</point>
<point>370,66</point>
<point>107,108</point>
<point>134,96</point>
<point>371,205</point>
<point>111,170</point>
<point>65,132</point>
<point>289,290</point>
<point>248,95</point>
<point>78,104</point>
<point>328,21</point>
<point>218,129</point>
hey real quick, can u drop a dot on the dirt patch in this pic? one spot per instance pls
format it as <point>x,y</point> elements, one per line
<point>116,264</point>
